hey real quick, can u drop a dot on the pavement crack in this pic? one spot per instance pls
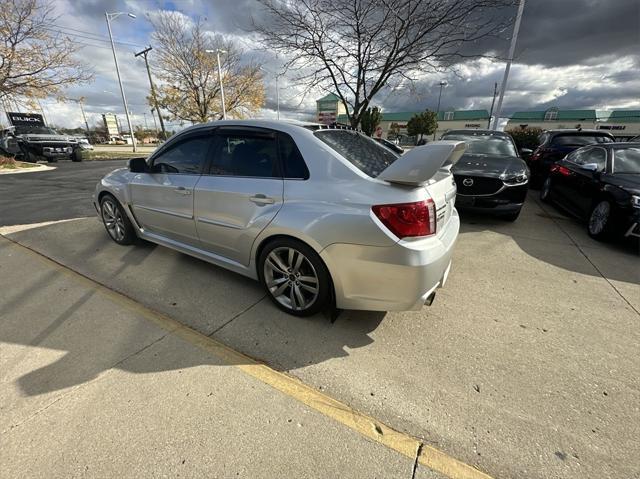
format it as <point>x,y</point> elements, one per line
<point>414,469</point>
<point>579,248</point>
<point>236,316</point>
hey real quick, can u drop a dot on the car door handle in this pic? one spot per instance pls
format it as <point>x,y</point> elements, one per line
<point>182,191</point>
<point>261,199</point>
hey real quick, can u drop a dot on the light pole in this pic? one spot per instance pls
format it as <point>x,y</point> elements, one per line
<point>442,84</point>
<point>495,92</point>
<point>144,53</point>
<point>218,51</point>
<point>86,123</point>
<point>278,75</point>
<point>109,17</point>
<point>512,48</point>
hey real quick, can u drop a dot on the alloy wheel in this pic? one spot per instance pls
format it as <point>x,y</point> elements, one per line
<point>113,220</point>
<point>291,278</point>
<point>599,218</point>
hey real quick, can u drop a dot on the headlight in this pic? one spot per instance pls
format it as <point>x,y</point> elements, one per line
<point>516,179</point>
<point>635,201</point>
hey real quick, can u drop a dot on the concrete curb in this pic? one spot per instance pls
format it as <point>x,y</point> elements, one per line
<point>33,169</point>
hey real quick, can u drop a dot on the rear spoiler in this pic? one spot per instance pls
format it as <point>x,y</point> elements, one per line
<point>419,165</point>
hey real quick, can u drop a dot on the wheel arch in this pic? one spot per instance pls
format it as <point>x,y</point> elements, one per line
<point>263,242</point>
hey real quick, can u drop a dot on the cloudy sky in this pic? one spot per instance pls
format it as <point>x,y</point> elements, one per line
<point>574,54</point>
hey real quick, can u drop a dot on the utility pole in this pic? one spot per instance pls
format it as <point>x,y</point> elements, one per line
<point>442,83</point>
<point>512,49</point>
<point>144,54</point>
<point>155,124</point>
<point>86,123</point>
<point>109,17</point>
<point>495,92</point>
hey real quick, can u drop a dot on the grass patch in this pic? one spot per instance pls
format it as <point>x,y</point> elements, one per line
<point>7,163</point>
<point>91,155</point>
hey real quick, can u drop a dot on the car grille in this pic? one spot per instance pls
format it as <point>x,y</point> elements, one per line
<point>480,186</point>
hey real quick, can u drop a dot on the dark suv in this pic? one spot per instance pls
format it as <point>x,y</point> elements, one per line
<point>556,144</point>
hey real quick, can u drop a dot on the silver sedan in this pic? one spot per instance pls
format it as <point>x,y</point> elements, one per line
<point>321,217</point>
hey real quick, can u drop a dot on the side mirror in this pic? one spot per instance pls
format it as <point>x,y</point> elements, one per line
<point>525,152</point>
<point>138,165</point>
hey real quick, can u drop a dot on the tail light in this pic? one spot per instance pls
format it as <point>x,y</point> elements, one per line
<point>408,219</point>
<point>538,154</point>
<point>556,168</point>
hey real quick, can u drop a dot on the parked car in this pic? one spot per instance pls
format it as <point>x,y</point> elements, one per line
<point>84,144</point>
<point>391,145</point>
<point>556,144</point>
<point>320,218</point>
<point>490,176</point>
<point>599,184</point>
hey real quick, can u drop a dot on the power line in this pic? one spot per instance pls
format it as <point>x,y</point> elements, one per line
<point>90,37</point>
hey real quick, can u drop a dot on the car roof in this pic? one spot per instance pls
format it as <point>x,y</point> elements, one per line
<point>579,131</point>
<point>476,132</point>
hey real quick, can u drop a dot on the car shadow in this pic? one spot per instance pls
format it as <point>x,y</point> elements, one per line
<point>548,234</point>
<point>213,301</point>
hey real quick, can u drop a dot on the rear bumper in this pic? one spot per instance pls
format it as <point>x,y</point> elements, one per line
<point>392,278</point>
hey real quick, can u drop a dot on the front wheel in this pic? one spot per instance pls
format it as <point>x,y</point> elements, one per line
<point>115,221</point>
<point>599,225</point>
<point>296,279</point>
<point>76,155</point>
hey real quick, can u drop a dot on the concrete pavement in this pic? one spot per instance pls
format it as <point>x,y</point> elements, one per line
<point>92,388</point>
<point>526,365</point>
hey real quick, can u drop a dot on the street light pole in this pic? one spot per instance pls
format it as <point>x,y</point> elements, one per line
<point>495,92</point>
<point>109,17</point>
<point>218,51</point>
<point>277,98</point>
<point>512,48</point>
<point>442,83</point>
<point>144,53</point>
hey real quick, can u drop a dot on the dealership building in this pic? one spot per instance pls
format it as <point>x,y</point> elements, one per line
<point>623,124</point>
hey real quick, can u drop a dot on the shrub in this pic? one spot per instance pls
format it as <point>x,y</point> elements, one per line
<point>526,137</point>
<point>7,162</point>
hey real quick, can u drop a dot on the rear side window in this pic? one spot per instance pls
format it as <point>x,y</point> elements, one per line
<point>364,153</point>
<point>248,155</point>
<point>579,140</point>
<point>293,164</point>
<point>627,160</point>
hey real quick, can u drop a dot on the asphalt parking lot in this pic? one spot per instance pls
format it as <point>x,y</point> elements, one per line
<point>526,365</point>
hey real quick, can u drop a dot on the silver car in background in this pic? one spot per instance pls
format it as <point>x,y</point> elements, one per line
<point>321,218</point>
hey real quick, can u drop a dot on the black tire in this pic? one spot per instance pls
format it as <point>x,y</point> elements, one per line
<point>600,221</point>
<point>28,158</point>
<point>116,221</point>
<point>76,156</point>
<point>545,190</point>
<point>511,216</point>
<point>288,290</point>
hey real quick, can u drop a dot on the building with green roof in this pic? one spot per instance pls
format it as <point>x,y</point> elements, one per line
<point>622,124</point>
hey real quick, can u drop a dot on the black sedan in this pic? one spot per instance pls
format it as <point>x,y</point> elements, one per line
<point>600,184</point>
<point>490,176</point>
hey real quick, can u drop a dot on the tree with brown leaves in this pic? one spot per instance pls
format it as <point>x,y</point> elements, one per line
<point>35,60</point>
<point>189,88</point>
<point>354,48</point>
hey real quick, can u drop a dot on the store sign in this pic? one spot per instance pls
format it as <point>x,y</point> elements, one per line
<point>25,119</point>
<point>472,125</point>
<point>612,127</point>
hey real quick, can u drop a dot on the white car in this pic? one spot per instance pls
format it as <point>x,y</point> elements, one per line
<point>321,218</point>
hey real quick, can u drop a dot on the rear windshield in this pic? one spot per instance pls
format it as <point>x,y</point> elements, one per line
<point>367,155</point>
<point>579,140</point>
<point>485,144</point>
<point>626,160</point>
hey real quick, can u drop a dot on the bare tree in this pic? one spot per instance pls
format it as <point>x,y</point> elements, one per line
<point>35,61</point>
<point>357,47</point>
<point>190,89</point>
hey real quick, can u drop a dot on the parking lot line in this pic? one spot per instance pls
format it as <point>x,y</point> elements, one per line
<point>361,423</point>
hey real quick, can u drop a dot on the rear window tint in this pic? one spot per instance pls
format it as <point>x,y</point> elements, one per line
<point>293,163</point>
<point>364,153</point>
<point>579,140</point>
